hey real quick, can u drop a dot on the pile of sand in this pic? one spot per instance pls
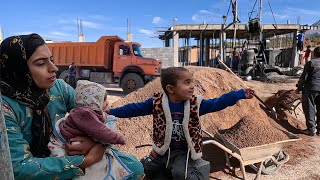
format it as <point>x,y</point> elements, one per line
<point>249,132</point>
<point>210,83</point>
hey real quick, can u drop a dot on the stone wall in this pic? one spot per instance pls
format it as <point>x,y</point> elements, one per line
<point>165,54</point>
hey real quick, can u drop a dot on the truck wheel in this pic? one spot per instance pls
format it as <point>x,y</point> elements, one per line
<point>131,82</point>
<point>65,76</point>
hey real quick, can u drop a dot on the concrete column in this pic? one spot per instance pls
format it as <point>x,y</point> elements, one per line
<point>207,51</point>
<point>175,49</point>
<point>200,62</point>
<point>188,52</point>
<point>167,42</point>
<point>294,56</point>
<point>222,48</point>
<point>189,49</point>
<point>215,44</point>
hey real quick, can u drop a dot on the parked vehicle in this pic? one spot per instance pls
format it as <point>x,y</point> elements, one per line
<point>109,60</point>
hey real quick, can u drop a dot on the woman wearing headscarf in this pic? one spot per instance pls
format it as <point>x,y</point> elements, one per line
<point>29,90</point>
<point>32,97</point>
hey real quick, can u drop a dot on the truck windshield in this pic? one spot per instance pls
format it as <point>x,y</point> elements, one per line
<point>136,50</point>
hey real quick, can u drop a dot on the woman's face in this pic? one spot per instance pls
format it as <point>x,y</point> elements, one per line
<point>41,67</point>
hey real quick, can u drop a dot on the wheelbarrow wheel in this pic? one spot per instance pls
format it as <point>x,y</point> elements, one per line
<point>271,166</point>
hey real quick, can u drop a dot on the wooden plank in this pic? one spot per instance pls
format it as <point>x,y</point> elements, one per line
<point>5,158</point>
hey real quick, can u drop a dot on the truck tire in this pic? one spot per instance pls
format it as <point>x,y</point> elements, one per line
<point>65,76</point>
<point>131,82</point>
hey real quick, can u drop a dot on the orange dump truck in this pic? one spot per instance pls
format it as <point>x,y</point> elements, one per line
<point>109,60</point>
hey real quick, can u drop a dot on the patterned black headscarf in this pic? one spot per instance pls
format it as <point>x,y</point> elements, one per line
<point>17,83</point>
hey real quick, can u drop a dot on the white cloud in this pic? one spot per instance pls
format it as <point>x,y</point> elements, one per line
<point>98,17</point>
<point>72,27</point>
<point>118,28</point>
<point>57,35</point>
<point>203,15</point>
<point>198,18</point>
<point>91,25</point>
<point>307,16</point>
<point>23,33</point>
<point>205,12</point>
<point>277,16</point>
<point>194,17</point>
<point>64,21</point>
<point>302,12</point>
<point>85,23</point>
<point>146,32</point>
<point>157,20</point>
<point>283,16</point>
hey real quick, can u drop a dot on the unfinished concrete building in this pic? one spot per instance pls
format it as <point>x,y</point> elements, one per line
<point>212,40</point>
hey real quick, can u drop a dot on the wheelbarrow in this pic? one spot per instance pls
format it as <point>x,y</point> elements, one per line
<point>264,159</point>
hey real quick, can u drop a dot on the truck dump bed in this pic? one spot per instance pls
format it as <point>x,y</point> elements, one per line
<point>98,54</point>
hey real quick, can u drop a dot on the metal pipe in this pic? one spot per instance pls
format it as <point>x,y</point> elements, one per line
<point>260,19</point>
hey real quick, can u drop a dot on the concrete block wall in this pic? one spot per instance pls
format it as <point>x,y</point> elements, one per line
<point>164,54</point>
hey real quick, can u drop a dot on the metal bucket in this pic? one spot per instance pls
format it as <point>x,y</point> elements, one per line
<point>248,55</point>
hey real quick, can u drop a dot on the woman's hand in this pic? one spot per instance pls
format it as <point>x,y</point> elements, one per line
<point>82,147</point>
<point>95,155</point>
<point>249,93</point>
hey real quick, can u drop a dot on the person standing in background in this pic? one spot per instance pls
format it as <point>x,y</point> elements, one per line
<point>307,54</point>
<point>309,84</point>
<point>72,75</point>
<point>236,59</point>
<point>300,44</point>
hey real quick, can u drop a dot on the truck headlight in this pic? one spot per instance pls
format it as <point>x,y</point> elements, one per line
<point>157,70</point>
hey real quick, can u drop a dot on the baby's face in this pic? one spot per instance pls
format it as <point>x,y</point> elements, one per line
<point>105,104</point>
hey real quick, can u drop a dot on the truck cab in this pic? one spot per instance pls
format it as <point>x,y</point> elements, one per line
<point>132,69</point>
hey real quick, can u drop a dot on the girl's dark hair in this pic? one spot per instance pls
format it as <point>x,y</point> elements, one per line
<point>170,76</point>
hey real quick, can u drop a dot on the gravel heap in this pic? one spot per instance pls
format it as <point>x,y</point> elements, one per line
<point>249,132</point>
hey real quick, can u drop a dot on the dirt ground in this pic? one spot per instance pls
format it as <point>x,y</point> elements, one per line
<point>303,164</point>
<point>299,167</point>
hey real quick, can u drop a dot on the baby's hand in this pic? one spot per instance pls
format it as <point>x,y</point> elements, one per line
<point>249,93</point>
<point>107,110</point>
<point>121,140</point>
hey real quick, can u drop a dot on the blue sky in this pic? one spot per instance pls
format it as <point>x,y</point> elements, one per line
<point>56,19</point>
